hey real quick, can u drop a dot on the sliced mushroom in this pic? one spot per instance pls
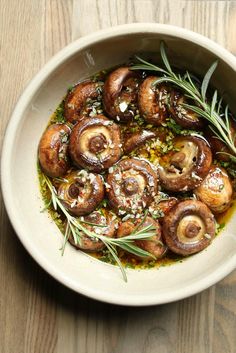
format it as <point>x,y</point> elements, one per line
<point>186,165</point>
<point>89,222</point>
<point>152,101</point>
<point>82,192</point>
<point>78,98</point>
<point>53,150</point>
<point>136,139</point>
<point>154,245</point>
<point>95,143</point>
<point>216,190</point>
<point>120,93</point>
<point>131,185</point>
<point>189,227</point>
<point>183,116</point>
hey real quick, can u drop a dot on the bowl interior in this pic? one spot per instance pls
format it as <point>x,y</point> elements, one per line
<point>41,236</point>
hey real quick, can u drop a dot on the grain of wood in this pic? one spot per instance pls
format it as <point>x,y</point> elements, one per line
<point>37,314</point>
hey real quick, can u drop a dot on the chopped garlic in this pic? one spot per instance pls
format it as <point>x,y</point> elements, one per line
<point>123,106</point>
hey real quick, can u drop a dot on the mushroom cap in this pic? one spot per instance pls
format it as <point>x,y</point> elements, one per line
<point>53,150</point>
<point>120,90</point>
<point>188,227</point>
<point>152,101</point>
<point>77,99</point>
<point>95,143</point>
<point>186,165</point>
<point>82,192</point>
<point>131,185</point>
<point>89,244</point>
<point>219,148</point>
<point>216,190</point>
<point>183,116</point>
<point>154,245</point>
<point>136,139</point>
<point>162,205</point>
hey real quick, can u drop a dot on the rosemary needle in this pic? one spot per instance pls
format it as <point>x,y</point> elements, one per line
<point>75,227</point>
<point>211,110</point>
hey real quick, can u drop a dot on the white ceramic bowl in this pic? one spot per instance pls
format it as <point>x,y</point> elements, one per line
<point>39,234</point>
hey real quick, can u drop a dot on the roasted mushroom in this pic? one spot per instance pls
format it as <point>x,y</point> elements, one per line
<point>182,115</point>
<point>161,205</point>
<point>152,101</point>
<point>81,192</point>
<point>77,99</point>
<point>189,227</point>
<point>133,141</point>
<point>154,245</point>
<point>89,222</point>
<point>95,143</point>
<point>131,185</point>
<point>218,147</point>
<point>216,190</point>
<point>53,150</point>
<point>120,93</point>
<point>186,165</point>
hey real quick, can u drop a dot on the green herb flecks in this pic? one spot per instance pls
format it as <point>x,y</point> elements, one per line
<point>76,229</point>
<point>178,130</point>
<point>58,116</point>
<point>212,110</point>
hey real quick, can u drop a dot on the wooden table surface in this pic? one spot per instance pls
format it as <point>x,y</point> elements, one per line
<point>37,314</point>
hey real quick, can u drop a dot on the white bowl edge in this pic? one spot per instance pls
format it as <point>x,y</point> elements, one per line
<point>29,92</point>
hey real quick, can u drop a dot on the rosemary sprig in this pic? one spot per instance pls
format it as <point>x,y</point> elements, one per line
<point>209,110</point>
<point>75,228</point>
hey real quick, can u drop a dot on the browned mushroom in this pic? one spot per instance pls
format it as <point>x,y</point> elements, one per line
<point>161,205</point>
<point>131,185</point>
<point>81,192</point>
<point>218,147</point>
<point>154,245</point>
<point>53,150</point>
<point>216,190</point>
<point>189,227</point>
<point>183,116</point>
<point>95,143</point>
<point>120,93</point>
<point>133,141</point>
<point>89,244</point>
<point>166,205</point>
<point>186,165</point>
<point>152,101</point>
<point>78,98</point>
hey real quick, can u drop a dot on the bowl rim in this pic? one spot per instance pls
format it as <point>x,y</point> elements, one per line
<point>79,44</point>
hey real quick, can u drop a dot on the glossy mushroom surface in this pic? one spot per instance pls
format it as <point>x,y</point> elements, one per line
<point>89,222</point>
<point>161,205</point>
<point>182,115</point>
<point>131,185</point>
<point>95,143</point>
<point>77,99</point>
<point>136,139</point>
<point>81,192</point>
<point>186,165</point>
<point>216,190</point>
<point>189,227</point>
<point>154,245</point>
<point>152,101</point>
<point>120,94</point>
<point>122,161</point>
<point>219,148</point>
<point>53,150</point>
